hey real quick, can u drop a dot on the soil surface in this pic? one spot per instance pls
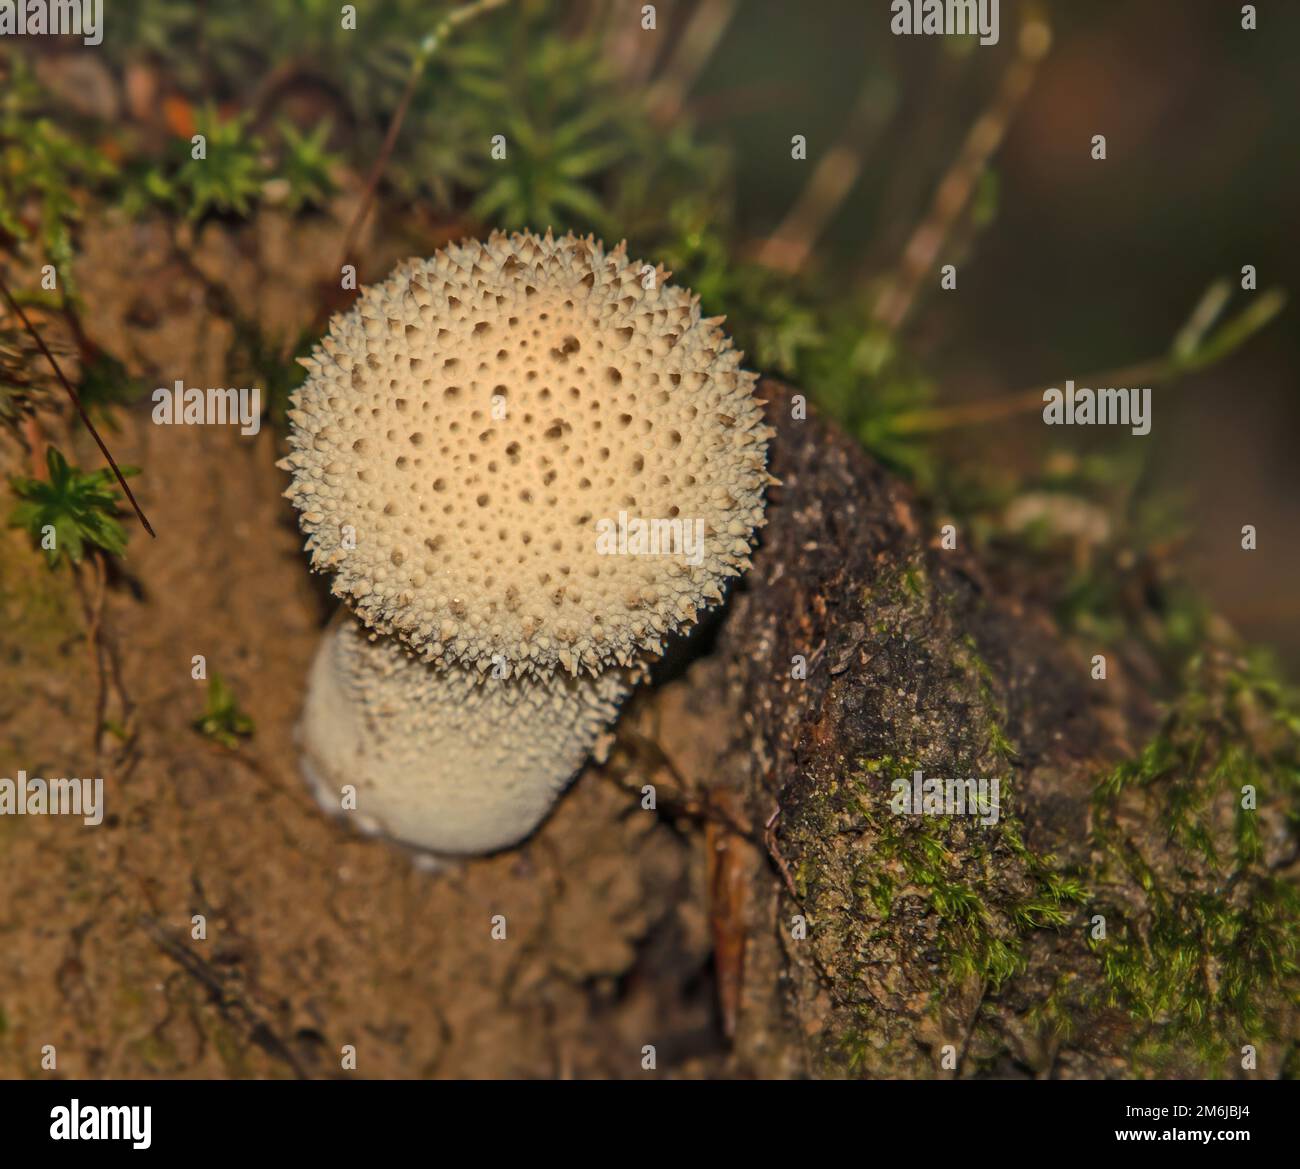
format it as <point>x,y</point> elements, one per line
<point>316,938</point>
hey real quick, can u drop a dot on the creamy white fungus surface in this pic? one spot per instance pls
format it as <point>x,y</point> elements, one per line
<point>444,760</point>
<point>469,424</point>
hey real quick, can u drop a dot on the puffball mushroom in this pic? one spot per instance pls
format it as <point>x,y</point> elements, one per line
<point>476,439</point>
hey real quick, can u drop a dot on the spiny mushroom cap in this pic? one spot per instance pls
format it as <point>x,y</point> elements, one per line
<point>476,424</point>
<point>440,759</point>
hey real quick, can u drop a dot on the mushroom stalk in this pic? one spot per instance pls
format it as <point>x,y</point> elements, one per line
<point>444,760</point>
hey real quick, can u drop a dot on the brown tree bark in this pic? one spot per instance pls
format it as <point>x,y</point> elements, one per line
<point>865,942</point>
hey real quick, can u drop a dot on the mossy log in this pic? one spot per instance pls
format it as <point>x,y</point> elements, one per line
<point>1113,921</point>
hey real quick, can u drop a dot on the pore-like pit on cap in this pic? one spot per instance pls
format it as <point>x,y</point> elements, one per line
<point>468,426</point>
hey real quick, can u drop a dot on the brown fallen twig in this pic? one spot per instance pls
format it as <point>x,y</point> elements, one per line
<point>1167,370</point>
<point>982,141</point>
<point>227,1000</point>
<point>788,247</point>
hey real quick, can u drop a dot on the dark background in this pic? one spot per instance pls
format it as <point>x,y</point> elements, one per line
<point>1088,266</point>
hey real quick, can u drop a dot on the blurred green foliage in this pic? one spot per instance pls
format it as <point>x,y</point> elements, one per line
<point>41,168</point>
<point>306,165</point>
<point>73,507</point>
<point>222,720</point>
<point>225,177</point>
<point>235,169</point>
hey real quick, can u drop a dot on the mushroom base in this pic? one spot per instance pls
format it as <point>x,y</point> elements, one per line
<point>444,761</point>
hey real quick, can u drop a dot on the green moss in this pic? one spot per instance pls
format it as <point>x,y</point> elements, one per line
<point>953,867</point>
<point>969,657</point>
<point>229,1048</point>
<point>155,1051</point>
<point>958,899</point>
<point>1208,945</point>
<point>911,915</point>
